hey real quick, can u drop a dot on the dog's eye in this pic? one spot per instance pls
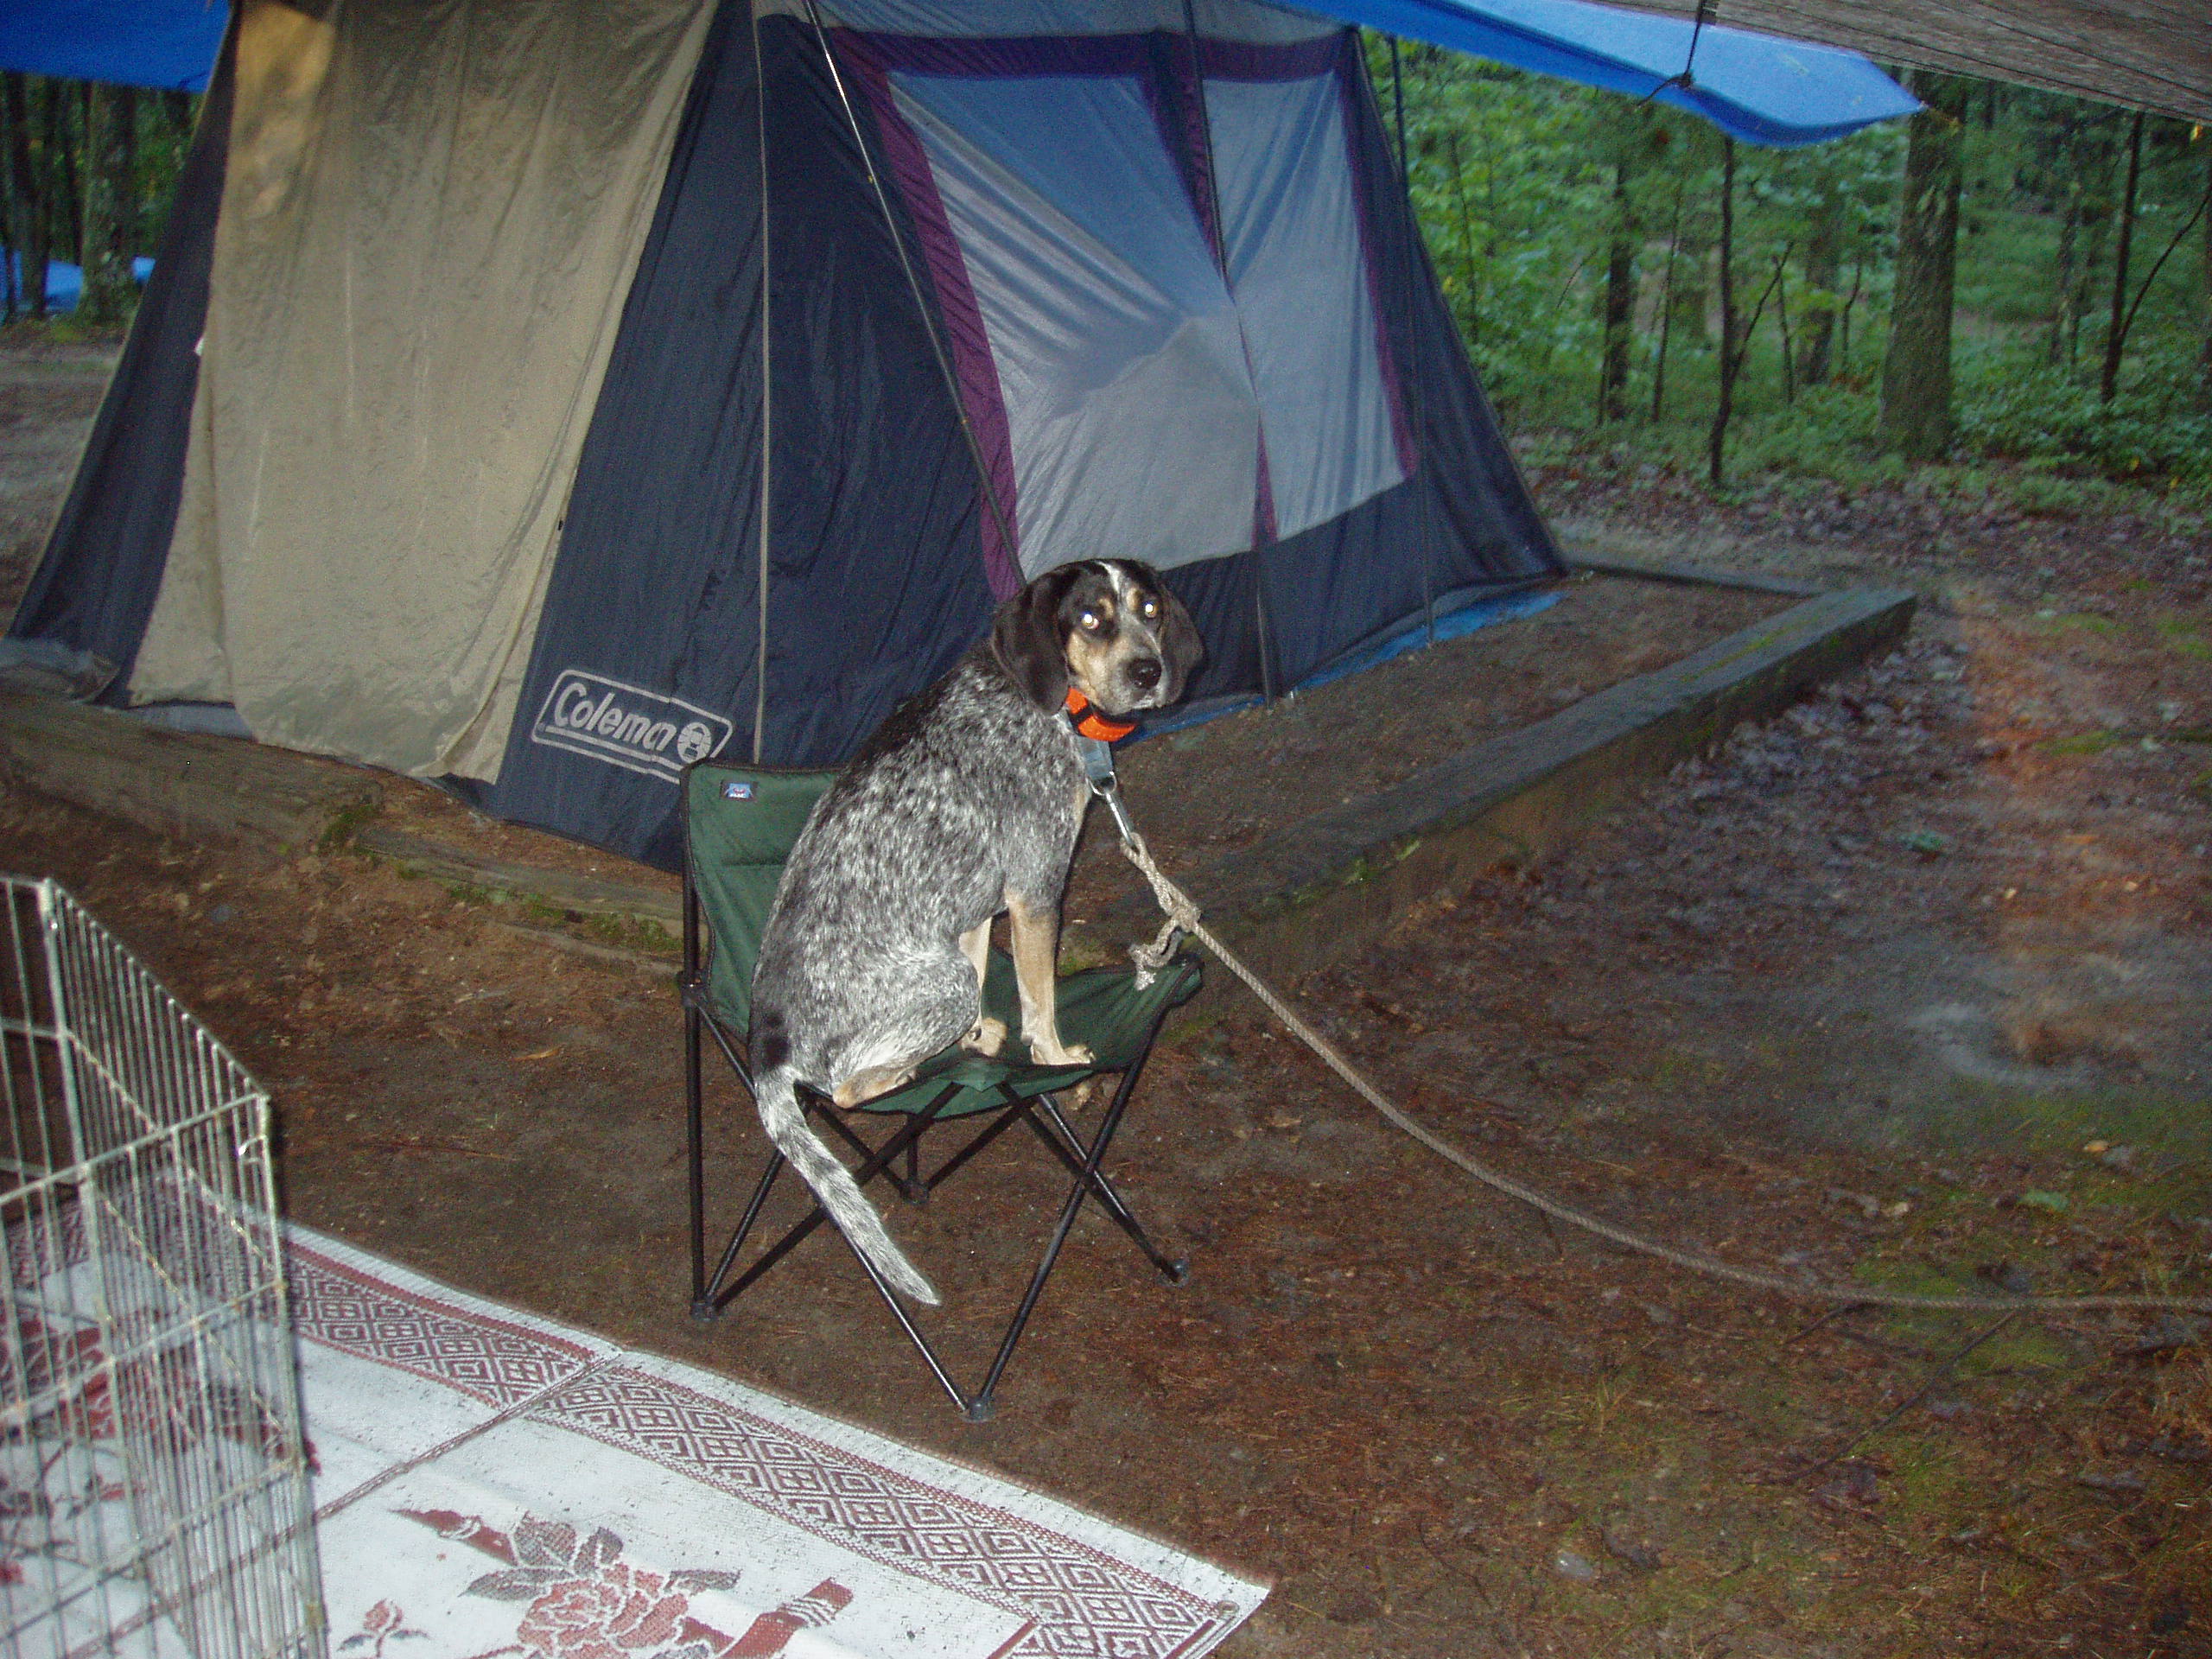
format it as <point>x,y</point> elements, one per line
<point>1089,621</point>
<point>1150,609</point>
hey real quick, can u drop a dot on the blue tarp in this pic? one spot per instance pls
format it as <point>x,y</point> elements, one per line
<point>1760,88</point>
<point>170,43</point>
<point>1756,87</point>
<point>64,284</point>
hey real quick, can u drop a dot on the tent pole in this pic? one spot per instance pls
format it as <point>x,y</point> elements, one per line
<point>983,485</point>
<point>1413,381</point>
<point>768,404</point>
<point>1260,624</point>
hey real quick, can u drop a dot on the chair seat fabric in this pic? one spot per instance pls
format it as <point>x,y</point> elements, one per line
<point>1100,1008</point>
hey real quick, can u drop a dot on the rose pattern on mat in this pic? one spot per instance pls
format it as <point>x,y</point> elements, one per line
<point>383,1623</point>
<point>586,1602</point>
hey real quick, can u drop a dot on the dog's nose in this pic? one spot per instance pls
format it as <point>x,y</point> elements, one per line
<point>1145,671</point>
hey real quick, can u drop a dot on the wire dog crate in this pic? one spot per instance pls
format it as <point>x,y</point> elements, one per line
<point>153,1470</point>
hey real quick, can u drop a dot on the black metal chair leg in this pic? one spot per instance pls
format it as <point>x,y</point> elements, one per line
<point>707,1304</point>
<point>833,1121</point>
<point>1086,1177</point>
<point>1173,1268</point>
<point>695,1143</point>
<point>694,1095</point>
<point>922,1343</point>
<point>878,1162</point>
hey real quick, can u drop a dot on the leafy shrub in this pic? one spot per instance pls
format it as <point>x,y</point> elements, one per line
<point>2013,405</point>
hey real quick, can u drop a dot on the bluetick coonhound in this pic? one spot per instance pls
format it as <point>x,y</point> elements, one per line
<point>966,803</point>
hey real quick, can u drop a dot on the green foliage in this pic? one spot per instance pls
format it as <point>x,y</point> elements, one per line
<point>90,175</point>
<point>2015,405</point>
<point>1515,179</point>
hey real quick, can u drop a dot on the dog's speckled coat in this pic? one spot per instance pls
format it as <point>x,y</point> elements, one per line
<point>965,804</point>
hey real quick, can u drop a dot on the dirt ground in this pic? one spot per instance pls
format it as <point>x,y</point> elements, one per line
<point>1913,985</point>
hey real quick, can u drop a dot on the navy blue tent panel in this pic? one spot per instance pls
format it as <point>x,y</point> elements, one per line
<point>96,588</point>
<point>171,43</point>
<point>875,584</point>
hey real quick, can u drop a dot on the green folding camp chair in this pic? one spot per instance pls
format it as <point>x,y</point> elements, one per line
<point>739,825</point>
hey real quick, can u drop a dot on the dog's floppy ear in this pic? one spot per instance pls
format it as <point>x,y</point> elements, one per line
<point>1027,638</point>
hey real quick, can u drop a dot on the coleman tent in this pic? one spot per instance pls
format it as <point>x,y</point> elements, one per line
<point>538,395</point>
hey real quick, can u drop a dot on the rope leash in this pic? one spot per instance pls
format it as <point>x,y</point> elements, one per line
<point>1183,917</point>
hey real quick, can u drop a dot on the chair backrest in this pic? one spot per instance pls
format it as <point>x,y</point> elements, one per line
<point>740,823</point>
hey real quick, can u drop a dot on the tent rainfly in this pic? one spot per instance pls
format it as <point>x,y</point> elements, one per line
<point>539,396</point>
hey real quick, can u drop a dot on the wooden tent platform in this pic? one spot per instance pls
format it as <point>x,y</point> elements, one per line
<point>1311,892</point>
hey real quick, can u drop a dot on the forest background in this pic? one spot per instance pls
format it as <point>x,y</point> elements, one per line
<point>2008,296</point>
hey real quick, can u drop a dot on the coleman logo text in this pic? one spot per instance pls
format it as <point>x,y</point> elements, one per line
<point>627,725</point>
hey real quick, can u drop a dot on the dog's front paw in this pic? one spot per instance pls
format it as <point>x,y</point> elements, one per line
<point>1050,1051</point>
<point>986,1037</point>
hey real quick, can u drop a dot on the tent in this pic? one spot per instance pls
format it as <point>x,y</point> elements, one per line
<point>537,397</point>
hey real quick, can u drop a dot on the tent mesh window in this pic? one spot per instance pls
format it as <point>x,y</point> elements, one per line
<point>153,1469</point>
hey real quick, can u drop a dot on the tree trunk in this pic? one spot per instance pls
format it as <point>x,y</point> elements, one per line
<point>67,231</point>
<point>1843,322</point>
<point>2069,241</point>
<point>26,176</point>
<point>10,298</point>
<point>1823,265</point>
<point>1466,242</point>
<point>1620,296</point>
<point>2204,358</point>
<point>1717,439</point>
<point>127,213</point>
<point>1916,417</point>
<point>2116,331</point>
<point>2095,223</point>
<point>1666,314</point>
<point>107,288</point>
<point>1781,324</point>
<point>2066,142</point>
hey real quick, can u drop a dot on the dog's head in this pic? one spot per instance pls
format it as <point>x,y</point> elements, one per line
<point>1106,627</point>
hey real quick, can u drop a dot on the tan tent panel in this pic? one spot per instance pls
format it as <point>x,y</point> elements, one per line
<point>429,222</point>
<point>2152,54</point>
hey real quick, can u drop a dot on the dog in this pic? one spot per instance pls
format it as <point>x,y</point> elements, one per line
<point>966,803</point>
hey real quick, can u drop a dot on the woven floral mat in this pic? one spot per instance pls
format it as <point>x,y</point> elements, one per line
<point>491,1483</point>
<point>487,1484</point>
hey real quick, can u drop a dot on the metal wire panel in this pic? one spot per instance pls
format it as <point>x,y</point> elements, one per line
<point>153,1470</point>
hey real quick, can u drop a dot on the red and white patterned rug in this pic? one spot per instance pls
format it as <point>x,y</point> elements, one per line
<point>506,1485</point>
<point>488,1485</point>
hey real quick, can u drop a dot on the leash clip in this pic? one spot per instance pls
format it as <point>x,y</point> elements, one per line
<point>1097,757</point>
<point>1107,790</point>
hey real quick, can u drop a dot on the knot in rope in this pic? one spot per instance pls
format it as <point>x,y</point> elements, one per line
<point>1176,905</point>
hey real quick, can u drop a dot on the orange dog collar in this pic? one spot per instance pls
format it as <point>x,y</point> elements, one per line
<point>1092,724</point>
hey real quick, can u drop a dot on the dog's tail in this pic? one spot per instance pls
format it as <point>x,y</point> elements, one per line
<point>782,1116</point>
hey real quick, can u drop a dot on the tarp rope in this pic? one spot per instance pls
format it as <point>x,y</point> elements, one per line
<point>1183,916</point>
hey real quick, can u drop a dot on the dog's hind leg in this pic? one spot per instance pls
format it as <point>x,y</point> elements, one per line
<point>1036,975</point>
<point>987,1036</point>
